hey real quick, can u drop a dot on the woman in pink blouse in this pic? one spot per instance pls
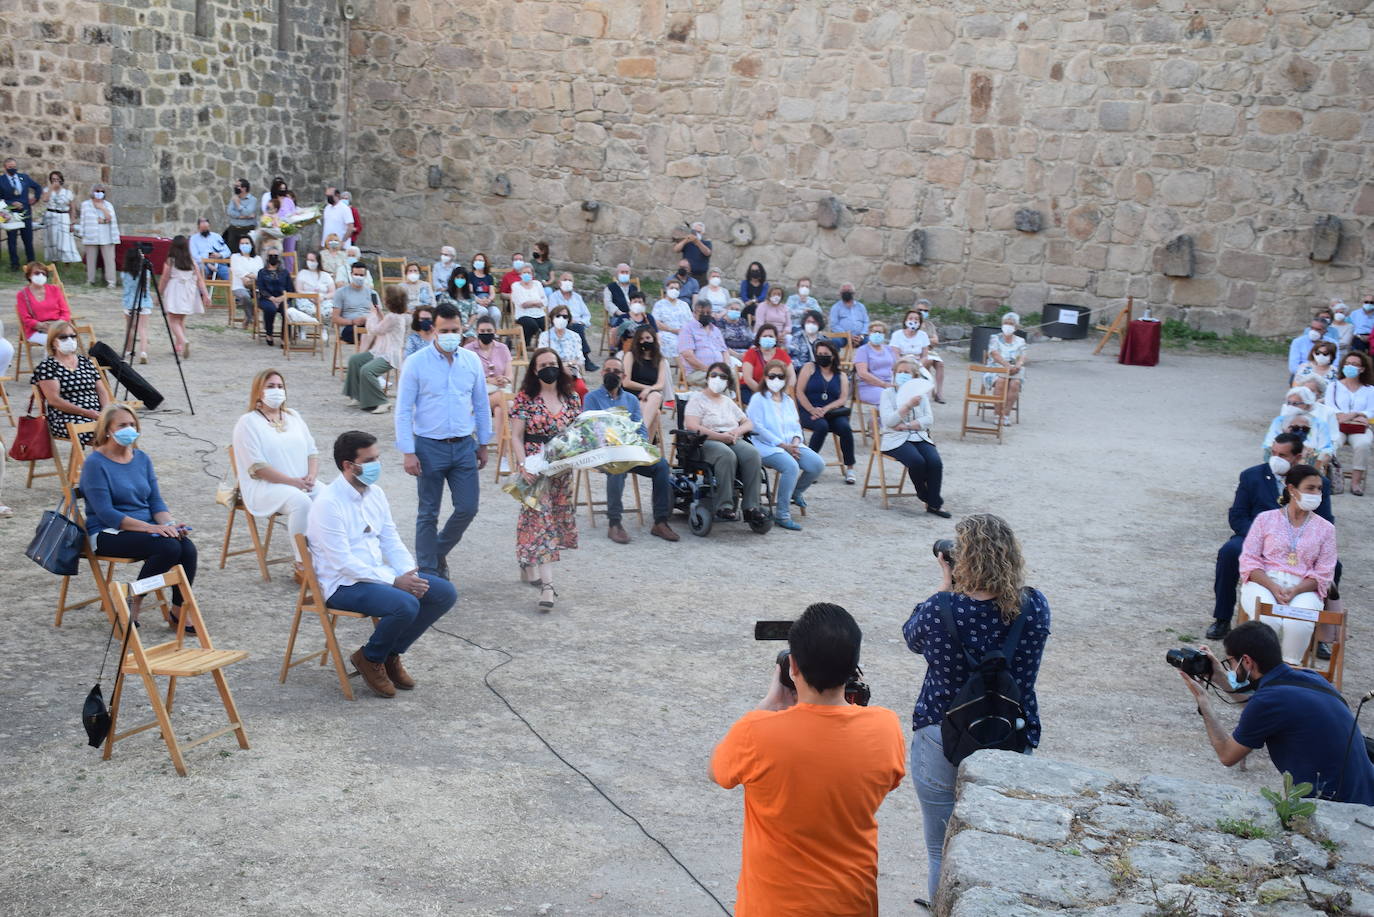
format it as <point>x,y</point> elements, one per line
<point>1289,558</point>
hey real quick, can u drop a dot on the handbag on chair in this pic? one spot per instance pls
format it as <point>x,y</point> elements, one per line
<point>56,545</point>
<point>1351,428</point>
<point>31,440</point>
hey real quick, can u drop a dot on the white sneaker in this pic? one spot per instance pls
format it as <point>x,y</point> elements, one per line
<point>505,466</point>
<point>5,511</point>
<point>382,408</point>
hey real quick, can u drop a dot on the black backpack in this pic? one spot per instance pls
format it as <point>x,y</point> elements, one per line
<point>987,712</point>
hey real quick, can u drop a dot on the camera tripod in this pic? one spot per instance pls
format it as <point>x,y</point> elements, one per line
<point>145,273</point>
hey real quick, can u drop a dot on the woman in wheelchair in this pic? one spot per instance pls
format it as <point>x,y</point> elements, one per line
<point>1289,558</point>
<point>715,414</point>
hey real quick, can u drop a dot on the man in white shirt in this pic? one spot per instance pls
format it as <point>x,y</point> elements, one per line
<point>338,216</point>
<point>362,565</point>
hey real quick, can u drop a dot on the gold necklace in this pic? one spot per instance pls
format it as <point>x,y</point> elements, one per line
<point>279,424</point>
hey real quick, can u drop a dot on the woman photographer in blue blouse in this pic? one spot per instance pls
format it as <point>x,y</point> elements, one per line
<point>984,582</point>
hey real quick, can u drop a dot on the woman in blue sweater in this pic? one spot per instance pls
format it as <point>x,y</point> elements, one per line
<point>125,514</point>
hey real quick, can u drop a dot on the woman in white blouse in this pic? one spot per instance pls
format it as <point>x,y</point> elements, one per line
<point>1007,349</point>
<point>99,233</point>
<point>564,341</point>
<point>907,419</point>
<point>58,242</point>
<point>527,302</point>
<point>275,457</point>
<point>244,265</point>
<point>313,278</point>
<point>1352,399</point>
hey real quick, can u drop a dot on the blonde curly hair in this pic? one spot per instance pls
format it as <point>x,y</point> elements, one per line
<point>988,559</point>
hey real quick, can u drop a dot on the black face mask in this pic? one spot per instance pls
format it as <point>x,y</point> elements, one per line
<point>424,324</point>
<point>682,272</point>
<point>273,259</point>
<point>486,337</point>
<point>646,346</point>
<point>11,171</point>
<point>548,375</point>
<point>331,199</point>
<point>824,360</point>
<point>847,296</point>
<point>204,233</point>
<point>611,381</point>
<point>704,319</point>
<point>754,275</point>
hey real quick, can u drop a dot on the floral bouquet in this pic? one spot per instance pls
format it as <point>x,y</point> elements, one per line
<point>11,216</point>
<point>300,219</point>
<point>609,441</point>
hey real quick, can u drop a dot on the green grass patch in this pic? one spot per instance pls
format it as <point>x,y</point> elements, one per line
<point>1214,879</point>
<point>1242,827</point>
<point>1179,335</point>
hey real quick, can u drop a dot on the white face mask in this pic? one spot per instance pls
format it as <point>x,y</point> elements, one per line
<point>803,292</point>
<point>560,322</point>
<point>312,265</point>
<point>1313,334</point>
<point>446,258</point>
<point>714,281</point>
<point>776,385</point>
<point>912,326</point>
<point>38,279</point>
<point>811,327</point>
<point>1279,465</point>
<point>274,397</point>
<point>98,195</point>
<point>1288,410</point>
<point>1309,502</point>
<point>775,299</point>
<point>1008,329</point>
<point>1321,359</point>
<point>565,286</point>
<point>1340,316</point>
<point>413,277</point>
<point>67,346</point>
<point>716,384</point>
<point>356,280</point>
<point>672,292</point>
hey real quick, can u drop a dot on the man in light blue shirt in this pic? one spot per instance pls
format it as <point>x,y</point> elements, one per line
<point>848,318</point>
<point>1363,320</point>
<point>443,425</point>
<point>613,395</point>
<point>208,244</point>
<point>1301,346</point>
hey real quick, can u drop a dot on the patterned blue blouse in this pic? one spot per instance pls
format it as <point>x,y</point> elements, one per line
<point>980,629</point>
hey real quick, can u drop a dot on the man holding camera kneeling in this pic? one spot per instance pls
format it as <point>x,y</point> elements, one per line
<point>1296,714</point>
<point>815,769</point>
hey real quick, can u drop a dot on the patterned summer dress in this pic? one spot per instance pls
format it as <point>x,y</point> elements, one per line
<point>540,534</point>
<point>58,242</point>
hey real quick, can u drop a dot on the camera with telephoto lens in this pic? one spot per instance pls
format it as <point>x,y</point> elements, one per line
<point>855,691</point>
<point>1190,662</point>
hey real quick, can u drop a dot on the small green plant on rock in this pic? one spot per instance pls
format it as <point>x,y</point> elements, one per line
<point>1242,827</point>
<point>1292,803</point>
<point>1175,906</point>
<point>1269,896</point>
<point>1123,872</point>
<point>1214,879</point>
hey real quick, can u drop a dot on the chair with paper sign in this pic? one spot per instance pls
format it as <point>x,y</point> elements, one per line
<point>173,659</point>
<point>1291,621</point>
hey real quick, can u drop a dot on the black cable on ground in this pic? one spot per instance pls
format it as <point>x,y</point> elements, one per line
<point>486,680</point>
<point>207,455</point>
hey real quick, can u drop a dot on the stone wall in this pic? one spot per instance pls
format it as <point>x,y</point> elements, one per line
<point>1030,837</point>
<point>1122,125</point>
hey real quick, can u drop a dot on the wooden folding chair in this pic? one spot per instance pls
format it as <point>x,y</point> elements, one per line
<point>514,339</point>
<point>878,459</point>
<point>505,449</point>
<point>1335,666</point>
<point>301,337</point>
<point>391,270</point>
<point>54,277</point>
<point>22,351</point>
<point>5,402</point>
<point>221,291</point>
<point>582,495</point>
<point>260,546</point>
<point>171,660</point>
<point>101,566</point>
<point>340,343</point>
<point>1117,327</point>
<point>311,599</point>
<point>975,396</point>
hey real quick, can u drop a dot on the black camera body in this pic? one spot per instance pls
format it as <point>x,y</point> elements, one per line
<point>1191,662</point>
<point>855,691</point>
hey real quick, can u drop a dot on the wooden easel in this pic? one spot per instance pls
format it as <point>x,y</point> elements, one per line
<point>1117,327</point>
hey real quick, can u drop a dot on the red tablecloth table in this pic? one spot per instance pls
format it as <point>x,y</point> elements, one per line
<point>1140,346</point>
<point>157,256</point>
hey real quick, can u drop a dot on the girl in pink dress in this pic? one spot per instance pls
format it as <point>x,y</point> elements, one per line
<point>183,291</point>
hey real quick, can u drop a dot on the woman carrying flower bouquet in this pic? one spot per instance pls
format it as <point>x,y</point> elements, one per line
<point>544,407</point>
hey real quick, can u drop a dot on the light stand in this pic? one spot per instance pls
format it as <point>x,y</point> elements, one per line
<point>145,272</point>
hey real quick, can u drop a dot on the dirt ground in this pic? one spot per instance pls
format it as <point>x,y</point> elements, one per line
<point>442,801</point>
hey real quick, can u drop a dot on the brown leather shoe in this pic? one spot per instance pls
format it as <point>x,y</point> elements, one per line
<point>664,531</point>
<point>617,534</point>
<point>397,673</point>
<point>374,673</point>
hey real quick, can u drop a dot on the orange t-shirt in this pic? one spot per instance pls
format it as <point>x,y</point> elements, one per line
<point>813,778</point>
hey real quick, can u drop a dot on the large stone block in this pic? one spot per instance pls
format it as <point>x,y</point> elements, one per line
<point>1245,266</point>
<point>1201,804</point>
<point>1120,116</point>
<point>1028,775</point>
<point>1326,237</point>
<point>1023,869</point>
<point>982,809</point>
<point>1279,120</point>
<point>1178,257</point>
<point>1185,189</point>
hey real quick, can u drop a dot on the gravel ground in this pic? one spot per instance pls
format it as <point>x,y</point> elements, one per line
<point>443,801</point>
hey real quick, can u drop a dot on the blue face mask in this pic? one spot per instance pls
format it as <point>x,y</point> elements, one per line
<point>460,282</point>
<point>767,342</point>
<point>733,315</point>
<point>370,472</point>
<point>876,337</point>
<point>1233,683</point>
<point>125,436</point>
<point>901,379</point>
<point>527,276</point>
<point>1350,372</point>
<point>450,342</point>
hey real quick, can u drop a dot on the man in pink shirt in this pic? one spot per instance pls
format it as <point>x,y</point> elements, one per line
<point>700,344</point>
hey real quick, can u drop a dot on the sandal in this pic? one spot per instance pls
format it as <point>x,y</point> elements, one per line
<point>546,604</point>
<point>1357,491</point>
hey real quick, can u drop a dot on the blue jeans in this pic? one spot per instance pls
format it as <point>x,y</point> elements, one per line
<point>441,463</point>
<point>216,271</point>
<point>662,493</point>
<point>934,778</point>
<point>403,617</point>
<point>795,475</point>
<point>927,471</point>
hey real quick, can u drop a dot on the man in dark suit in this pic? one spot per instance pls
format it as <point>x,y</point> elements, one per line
<point>20,193</point>
<point>1257,492</point>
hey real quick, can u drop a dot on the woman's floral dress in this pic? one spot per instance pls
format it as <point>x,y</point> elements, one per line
<point>541,533</point>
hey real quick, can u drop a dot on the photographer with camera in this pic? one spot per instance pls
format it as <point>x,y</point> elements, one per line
<point>983,626</point>
<point>815,768</point>
<point>1302,720</point>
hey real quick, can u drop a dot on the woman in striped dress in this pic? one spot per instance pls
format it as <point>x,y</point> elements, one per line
<point>59,245</point>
